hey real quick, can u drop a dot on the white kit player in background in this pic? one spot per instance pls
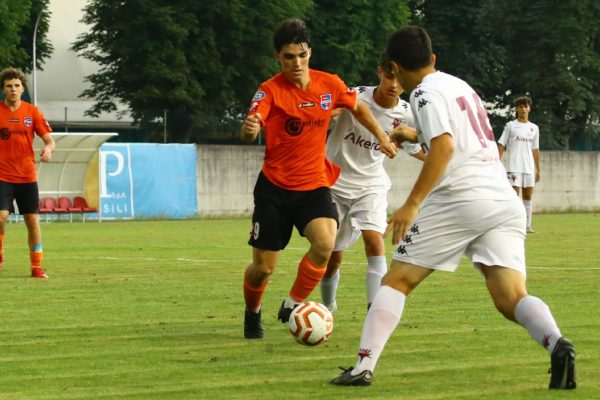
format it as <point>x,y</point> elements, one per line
<point>360,193</point>
<point>461,204</point>
<point>521,139</point>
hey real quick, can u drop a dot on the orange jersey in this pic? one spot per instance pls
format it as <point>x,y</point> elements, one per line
<point>295,122</point>
<point>17,161</point>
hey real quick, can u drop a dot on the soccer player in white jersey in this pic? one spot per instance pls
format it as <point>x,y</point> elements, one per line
<point>360,193</point>
<point>521,138</point>
<point>460,204</point>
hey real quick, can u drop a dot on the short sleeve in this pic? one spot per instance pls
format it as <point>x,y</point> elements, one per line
<point>261,102</point>
<point>42,127</point>
<point>346,97</point>
<point>431,113</point>
<point>505,133</point>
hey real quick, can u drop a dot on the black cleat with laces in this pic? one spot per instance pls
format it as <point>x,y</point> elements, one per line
<point>562,365</point>
<point>252,325</point>
<point>284,313</point>
<point>347,379</point>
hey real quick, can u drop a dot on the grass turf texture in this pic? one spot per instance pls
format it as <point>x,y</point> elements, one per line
<point>154,310</point>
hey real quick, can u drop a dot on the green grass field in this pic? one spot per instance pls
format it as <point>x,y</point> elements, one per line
<point>154,310</point>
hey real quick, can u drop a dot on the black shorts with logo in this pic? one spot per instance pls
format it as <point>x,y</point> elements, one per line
<point>26,195</point>
<point>277,211</point>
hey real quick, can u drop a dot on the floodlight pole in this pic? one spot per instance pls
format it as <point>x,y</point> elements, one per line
<point>35,28</point>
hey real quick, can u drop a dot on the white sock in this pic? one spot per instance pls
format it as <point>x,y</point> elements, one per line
<point>382,318</point>
<point>329,289</point>
<point>527,204</point>
<point>535,316</point>
<point>290,303</point>
<point>376,269</point>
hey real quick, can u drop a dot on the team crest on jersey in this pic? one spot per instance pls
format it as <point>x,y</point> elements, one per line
<point>28,121</point>
<point>259,95</point>
<point>326,101</point>
<point>395,123</point>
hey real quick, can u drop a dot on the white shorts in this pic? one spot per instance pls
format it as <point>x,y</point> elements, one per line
<point>489,232</point>
<point>521,180</point>
<point>364,213</point>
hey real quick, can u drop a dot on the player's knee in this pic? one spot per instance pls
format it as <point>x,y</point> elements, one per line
<point>260,270</point>
<point>398,282</point>
<point>323,248</point>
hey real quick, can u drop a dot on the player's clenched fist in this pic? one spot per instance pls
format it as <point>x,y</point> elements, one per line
<point>251,127</point>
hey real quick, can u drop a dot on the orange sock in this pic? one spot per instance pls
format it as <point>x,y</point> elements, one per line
<point>253,296</point>
<point>308,277</point>
<point>36,259</point>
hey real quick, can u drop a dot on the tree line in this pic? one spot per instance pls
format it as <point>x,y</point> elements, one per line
<point>201,62</point>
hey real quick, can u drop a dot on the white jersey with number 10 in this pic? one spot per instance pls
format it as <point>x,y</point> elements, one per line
<point>442,104</point>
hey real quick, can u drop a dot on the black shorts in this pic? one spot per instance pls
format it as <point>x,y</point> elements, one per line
<point>26,195</point>
<point>277,211</point>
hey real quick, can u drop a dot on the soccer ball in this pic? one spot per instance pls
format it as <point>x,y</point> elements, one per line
<point>311,323</point>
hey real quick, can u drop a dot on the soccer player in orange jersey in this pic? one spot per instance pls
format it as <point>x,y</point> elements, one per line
<point>294,109</point>
<point>19,121</point>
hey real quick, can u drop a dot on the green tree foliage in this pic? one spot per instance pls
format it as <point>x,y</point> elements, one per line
<point>546,49</point>
<point>555,58</point>
<point>202,61</point>
<point>17,21</point>
<point>463,41</point>
<point>349,36</point>
<point>194,59</point>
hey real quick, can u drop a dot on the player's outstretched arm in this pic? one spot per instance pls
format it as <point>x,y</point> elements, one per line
<point>363,115</point>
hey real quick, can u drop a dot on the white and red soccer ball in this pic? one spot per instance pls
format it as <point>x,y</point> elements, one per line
<point>311,323</point>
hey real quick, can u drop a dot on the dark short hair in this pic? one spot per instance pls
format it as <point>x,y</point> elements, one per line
<point>523,100</point>
<point>292,30</point>
<point>384,63</point>
<point>12,73</point>
<point>410,46</point>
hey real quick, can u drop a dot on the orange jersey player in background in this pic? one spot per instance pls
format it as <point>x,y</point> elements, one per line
<point>294,108</point>
<point>19,121</point>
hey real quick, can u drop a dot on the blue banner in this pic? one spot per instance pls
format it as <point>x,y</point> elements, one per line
<point>145,180</point>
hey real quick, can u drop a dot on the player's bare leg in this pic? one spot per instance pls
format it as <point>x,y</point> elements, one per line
<point>256,278</point>
<point>320,232</point>
<point>508,290</point>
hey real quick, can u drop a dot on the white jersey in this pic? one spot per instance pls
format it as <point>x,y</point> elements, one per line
<point>442,104</point>
<point>520,139</point>
<point>357,152</point>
